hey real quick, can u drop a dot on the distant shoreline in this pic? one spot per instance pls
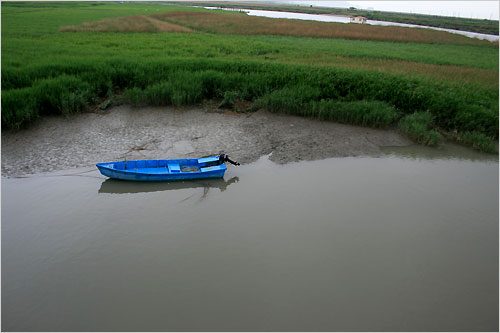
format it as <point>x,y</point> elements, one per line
<point>484,26</point>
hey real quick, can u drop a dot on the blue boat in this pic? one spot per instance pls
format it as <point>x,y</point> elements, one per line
<point>167,170</point>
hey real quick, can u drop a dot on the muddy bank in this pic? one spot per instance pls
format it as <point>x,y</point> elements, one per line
<point>124,132</point>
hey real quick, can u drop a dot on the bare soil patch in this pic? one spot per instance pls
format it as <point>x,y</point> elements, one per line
<point>124,132</point>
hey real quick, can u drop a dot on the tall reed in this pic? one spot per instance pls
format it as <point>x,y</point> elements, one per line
<point>346,95</point>
<point>419,127</point>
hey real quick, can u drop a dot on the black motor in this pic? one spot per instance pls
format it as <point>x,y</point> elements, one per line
<point>224,158</point>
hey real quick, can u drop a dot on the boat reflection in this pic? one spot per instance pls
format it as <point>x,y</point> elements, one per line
<point>116,186</point>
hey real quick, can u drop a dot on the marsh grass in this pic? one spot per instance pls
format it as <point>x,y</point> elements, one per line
<point>419,127</point>
<point>18,108</point>
<point>376,114</point>
<point>459,74</point>
<point>66,72</point>
<point>229,101</point>
<point>478,141</point>
<point>464,24</point>
<point>305,101</point>
<point>139,23</point>
<point>290,99</point>
<point>181,89</point>
<point>238,23</point>
<point>61,95</point>
<point>349,96</point>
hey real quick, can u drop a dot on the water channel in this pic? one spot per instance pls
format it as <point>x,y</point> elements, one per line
<point>346,19</point>
<point>403,242</point>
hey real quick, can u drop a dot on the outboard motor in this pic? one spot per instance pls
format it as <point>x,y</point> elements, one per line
<point>224,158</point>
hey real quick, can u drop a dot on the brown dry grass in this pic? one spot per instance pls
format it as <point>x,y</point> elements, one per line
<point>479,76</point>
<point>232,23</point>
<point>139,23</point>
<point>235,23</point>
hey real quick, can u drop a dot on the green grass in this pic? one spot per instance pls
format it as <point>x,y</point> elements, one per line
<point>479,141</point>
<point>186,81</point>
<point>419,127</point>
<point>57,47</point>
<point>35,19</point>
<point>365,113</point>
<point>181,88</point>
<point>49,72</point>
<point>306,101</point>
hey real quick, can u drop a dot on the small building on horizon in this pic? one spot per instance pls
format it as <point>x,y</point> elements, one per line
<point>358,19</point>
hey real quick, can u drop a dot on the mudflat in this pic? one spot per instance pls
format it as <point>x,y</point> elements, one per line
<point>127,133</point>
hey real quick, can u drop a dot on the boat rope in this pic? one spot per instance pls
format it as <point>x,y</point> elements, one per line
<point>77,174</point>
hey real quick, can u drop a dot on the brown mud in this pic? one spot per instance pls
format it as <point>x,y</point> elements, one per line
<point>125,132</point>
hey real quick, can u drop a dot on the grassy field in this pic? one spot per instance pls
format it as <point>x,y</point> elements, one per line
<point>234,23</point>
<point>60,58</point>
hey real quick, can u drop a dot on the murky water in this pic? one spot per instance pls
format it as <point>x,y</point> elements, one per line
<point>407,242</point>
<point>345,19</point>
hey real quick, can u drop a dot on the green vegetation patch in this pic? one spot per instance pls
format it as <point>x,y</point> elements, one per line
<point>350,96</point>
<point>304,101</point>
<point>365,113</point>
<point>478,141</point>
<point>181,89</point>
<point>60,95</point>
<point>49,72</point>
<point>419,127</point>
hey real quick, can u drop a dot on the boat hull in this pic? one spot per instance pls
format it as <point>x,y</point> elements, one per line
<point>163,170</point>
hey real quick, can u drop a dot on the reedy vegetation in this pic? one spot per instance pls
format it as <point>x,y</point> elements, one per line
<point>234,23</point>
<point>138,23</point>
<point>66,72</point>
<point>457,23</point>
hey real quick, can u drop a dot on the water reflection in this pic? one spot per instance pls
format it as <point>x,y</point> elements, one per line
<point>115,186</point>
<point>313,245</point>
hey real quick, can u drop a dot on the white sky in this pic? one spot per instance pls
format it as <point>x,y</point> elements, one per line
<point>467,9</point>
